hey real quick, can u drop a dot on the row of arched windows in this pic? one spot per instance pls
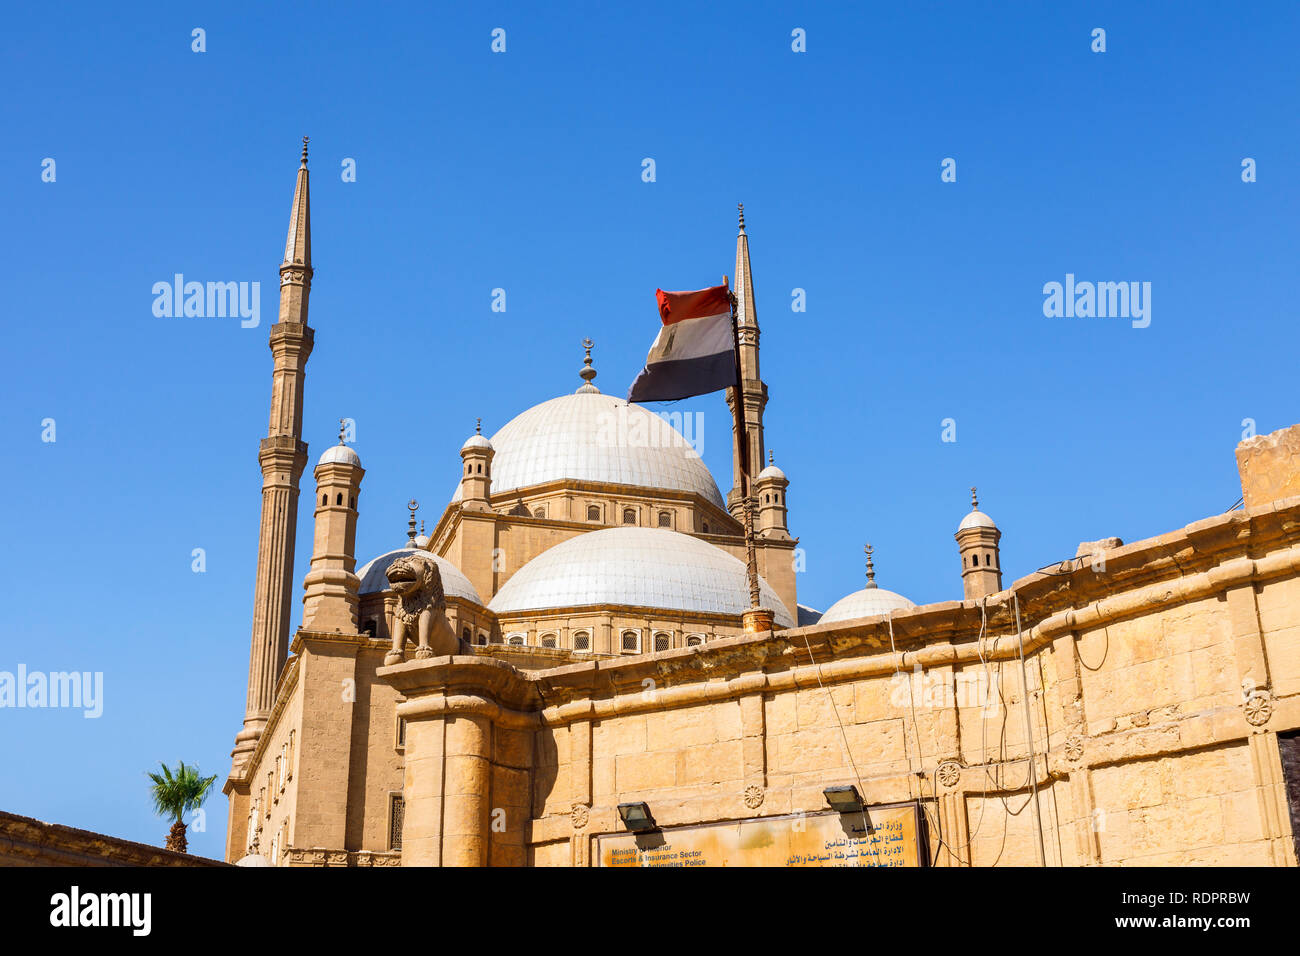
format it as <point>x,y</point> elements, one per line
<point>338,500</point>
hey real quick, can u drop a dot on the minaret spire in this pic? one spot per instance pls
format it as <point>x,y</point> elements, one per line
<point>282,455</point>
<point>755,392</point>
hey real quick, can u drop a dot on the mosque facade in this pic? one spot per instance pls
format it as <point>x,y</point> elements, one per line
<point>562,671</point>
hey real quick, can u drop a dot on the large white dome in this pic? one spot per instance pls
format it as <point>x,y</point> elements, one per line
<point>454,583</point>
<point>640,567</point>
<point>589,436</point>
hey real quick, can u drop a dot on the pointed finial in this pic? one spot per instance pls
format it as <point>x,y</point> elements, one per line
<point>741,207</point>
<point>871,568</point>
<point>478,426</point>
<point>304,150</point>
<point>587,373</point>
<point>343,428</point>
<point>974,502</point>
<point>412,506</point>
<point>770,459</point>
<point>421,526</point>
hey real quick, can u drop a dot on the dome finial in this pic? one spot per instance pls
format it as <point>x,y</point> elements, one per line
<point>974,502</point>
<point>871,568</point>
<point>343,428</point>
<point>304,150</point>
<point>412,506</point>
<point>587,373</point>
<point>740,207</point>
<point>478,426</point>
<point>771,460</point>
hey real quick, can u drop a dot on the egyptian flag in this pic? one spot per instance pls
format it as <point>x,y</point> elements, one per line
<point>694,352</point>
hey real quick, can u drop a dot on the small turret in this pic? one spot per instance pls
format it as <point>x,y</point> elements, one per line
<point>977,539</point>
<point>476,473</point>
<point>330,598</point>
<point>769,489</point>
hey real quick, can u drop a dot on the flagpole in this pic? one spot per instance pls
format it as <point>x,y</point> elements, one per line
<point>756,619</point>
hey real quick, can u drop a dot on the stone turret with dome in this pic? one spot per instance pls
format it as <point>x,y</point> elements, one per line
<point>977,541</point>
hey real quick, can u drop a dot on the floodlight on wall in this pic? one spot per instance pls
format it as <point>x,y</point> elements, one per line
<point>844,799</point>
<point>636,817</point>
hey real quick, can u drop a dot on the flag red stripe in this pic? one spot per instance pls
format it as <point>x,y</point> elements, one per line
<point>677,306</point>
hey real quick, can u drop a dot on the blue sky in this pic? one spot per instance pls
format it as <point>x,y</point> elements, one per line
<point>522,171</point>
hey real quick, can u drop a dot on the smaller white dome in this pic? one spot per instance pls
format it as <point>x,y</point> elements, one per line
<point>454,583</point>
<point>476,441</point>
<point>976,519</point>
<point>869,602</point>
<point>421,541</point>
<point>771,471</point>
<point>340,455</point>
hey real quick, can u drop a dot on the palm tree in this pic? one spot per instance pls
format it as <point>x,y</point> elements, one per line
<point>173,795</point>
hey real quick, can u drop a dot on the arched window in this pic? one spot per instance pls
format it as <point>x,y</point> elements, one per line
<point>480,469</point>
<point>706,527</point>
<point>467,634</point>
<point>663,642</point>
<point>516,640</point>
<point>631,641</point>
<point>629,516</point>
<point>582,641</point>
<point>338,499</point>
<point>539,512</point>
<point>767,499</point>
<point>593,512</point>
<point>549,640</point>
<point>694,640</point>
<point>665,519</point>
<point>986,559</point>
<point>372,627</point>
<point>324,499</point>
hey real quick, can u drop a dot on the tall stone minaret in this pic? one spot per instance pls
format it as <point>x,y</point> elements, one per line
<point>754,396</point>
<point>283,456</point>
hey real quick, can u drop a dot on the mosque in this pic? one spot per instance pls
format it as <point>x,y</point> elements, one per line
<point>563,670</point>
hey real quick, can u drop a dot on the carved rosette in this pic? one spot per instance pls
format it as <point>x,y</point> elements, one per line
<point>1258,708</point>
<point>293,277</point>
<point>754,795</point>
<point>948,773</point>
<point>580,813</point>
<point>1074,749</point>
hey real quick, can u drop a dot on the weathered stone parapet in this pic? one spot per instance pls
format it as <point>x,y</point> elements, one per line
<point>1270,467</point>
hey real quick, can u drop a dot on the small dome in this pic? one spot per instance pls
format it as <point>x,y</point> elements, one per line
<point>976,519</point>
<point>339,455</point>
<point>454,583</point>
<point>869,602</point>
<point>421,541</point>
<point>771,471</point>
<point>589,436</point>
<point>637,567</point>
<point>476,441</point>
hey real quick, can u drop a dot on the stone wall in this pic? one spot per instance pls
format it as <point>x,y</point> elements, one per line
<point>1154,683</point>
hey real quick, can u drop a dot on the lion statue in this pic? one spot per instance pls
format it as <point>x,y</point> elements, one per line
<point>416,580</point>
